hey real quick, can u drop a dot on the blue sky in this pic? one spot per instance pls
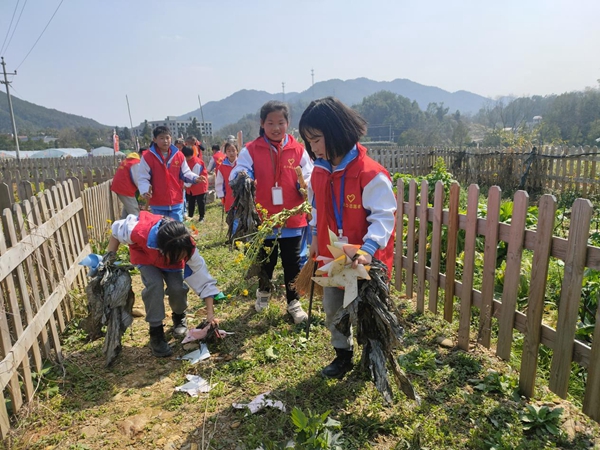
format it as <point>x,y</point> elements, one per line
<point>162,54</point>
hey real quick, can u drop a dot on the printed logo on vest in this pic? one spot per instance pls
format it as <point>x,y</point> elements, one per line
<point>350,197</point>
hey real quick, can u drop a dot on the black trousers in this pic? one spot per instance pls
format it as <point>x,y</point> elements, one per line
<point>199,200</point>
<point>289,249</point>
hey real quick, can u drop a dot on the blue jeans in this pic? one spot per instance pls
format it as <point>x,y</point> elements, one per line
<point>175,212</point>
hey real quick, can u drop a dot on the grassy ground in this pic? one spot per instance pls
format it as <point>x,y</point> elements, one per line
<point>465,403</point>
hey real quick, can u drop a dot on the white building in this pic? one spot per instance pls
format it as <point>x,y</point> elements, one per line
<point>179,127</point>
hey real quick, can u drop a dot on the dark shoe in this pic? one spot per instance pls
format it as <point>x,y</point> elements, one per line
<point>180,328</point>
<point>340,366</point>
<point>158,344</point>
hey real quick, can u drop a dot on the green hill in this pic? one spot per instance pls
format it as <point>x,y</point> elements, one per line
<point>32,117</point>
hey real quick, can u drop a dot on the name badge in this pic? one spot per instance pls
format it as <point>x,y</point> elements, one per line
<point>277,195</point>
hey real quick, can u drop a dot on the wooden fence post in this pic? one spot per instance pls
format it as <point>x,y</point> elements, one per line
<point>466,298</point>
<point>489,265</point>
<point>436,238</point>
<point>537,294</point>
<point>451,251</point>
<point>570,296</point>
<point>423,226</point>
<point>399,233</point>
<point>512,274</point>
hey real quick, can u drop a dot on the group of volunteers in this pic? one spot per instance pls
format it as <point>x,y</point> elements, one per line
<point>350,194</point>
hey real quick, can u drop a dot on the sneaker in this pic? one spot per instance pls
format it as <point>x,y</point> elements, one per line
<point>296,311</point>
<point>179,325</point>
<point>262,300</point>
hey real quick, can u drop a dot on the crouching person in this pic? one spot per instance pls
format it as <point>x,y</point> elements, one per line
<point>165,254</point>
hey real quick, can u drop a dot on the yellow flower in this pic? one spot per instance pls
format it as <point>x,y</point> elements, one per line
<point>245,292</point>
<point>108,221</point>
<point>90,227</point>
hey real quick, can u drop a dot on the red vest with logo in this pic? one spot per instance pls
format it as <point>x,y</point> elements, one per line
<point>122,183</point>
<point>202,186</point>
<point>268,165</point>
<point>358,173</point>
<point>139,252</point>
<point>225,170</point>
<point>218,157</point>
<point>167,187</point>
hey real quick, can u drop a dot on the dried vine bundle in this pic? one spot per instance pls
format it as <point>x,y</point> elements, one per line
<point>377,330</point>
<point>110,302</point>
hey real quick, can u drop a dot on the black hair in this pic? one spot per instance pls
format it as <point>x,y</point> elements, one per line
<point>190,138</point>
<point>341,126</point>
<point>216,147</point>
<point>161,130</point>
<point>187,151</point>
<point>271,106</point>
<point>174,241</point>
<point>142,150</point>
<point>230,144</point>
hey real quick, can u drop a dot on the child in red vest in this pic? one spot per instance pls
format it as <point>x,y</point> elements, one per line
<point>165,253</point>
<point>196,194</point>
<point>124,184</point>
<point>271,160</point>
<point>222,188</point>
<point>163,172</point>
<point>217,159</point>
<point>352,196</point>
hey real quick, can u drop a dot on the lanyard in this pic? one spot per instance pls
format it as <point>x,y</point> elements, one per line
<point>337,211</point>
<point>275,164</point>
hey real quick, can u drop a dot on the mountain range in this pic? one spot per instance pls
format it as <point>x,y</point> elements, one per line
<point>351,92</point>
<point>30,116</point>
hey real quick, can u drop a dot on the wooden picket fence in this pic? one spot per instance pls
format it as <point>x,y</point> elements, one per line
<point>411,263</point>
<point>30,176</point>
<point>545,170</point>
<point>42,241</point>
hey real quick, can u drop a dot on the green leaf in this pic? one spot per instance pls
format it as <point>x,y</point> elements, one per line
<point>552,429</point>
<point>270,354</point>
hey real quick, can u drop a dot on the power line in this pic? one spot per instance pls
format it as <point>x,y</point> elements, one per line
<point>10,25</point>
<point>41,34</point>
<point>16,25</point>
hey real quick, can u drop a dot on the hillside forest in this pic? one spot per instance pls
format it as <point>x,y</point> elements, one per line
<point>571,118</point>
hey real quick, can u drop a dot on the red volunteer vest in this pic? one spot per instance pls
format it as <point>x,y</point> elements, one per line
<point>139,252</point>
<point>167,187</point>
<point>201,187</point>
<point>268,165</point>
<point>218,157</point>
<point>225,170</point>
<point>122,183</point>
<point>358,173</point>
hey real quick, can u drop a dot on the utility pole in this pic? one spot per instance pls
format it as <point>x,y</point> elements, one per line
<point>202,115</point>
<point>10,108</point>
<point>137,142</point>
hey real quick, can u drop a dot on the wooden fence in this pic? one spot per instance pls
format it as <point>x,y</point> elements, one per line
<point>41,243</point>
<point>36,173</point>
<point>411,263</point>
<point>545,170</point>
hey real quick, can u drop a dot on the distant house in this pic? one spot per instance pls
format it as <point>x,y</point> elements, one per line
<point>179,127</point>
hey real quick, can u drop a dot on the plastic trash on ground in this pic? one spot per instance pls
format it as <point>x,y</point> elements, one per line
<point>259,403</point>
<point>194,386</point>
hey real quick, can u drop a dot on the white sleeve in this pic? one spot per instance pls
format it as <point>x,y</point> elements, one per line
<point>219,185</point>
<point>186,174</point>
<point>143,177</point>
<point>197,277</point>
<point>307,166</point>
<point>378,198</point>
<point>121,229</point>
<point>211,165</point>
<point>244,164</point>
<point>311,201</point>
<point>135,173</point>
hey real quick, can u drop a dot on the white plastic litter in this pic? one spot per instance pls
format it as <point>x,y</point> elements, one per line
<point>259,403</point>
<point>194,386</point>
<point>194,334</point>
<point>197,355</point>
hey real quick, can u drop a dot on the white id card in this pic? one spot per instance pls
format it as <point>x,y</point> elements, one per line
<point>277,195</point>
